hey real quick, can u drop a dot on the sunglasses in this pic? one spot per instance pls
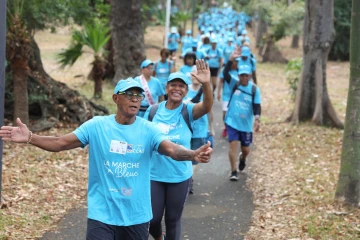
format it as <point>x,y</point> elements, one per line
<point>129,95</point>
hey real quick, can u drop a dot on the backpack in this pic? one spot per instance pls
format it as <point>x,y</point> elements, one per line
<point>184,113</point>
<point>253,92</point>
<point>197,97</point>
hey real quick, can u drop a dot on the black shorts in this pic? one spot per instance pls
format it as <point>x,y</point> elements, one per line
<point>214,72</point>
<point>97,230</point>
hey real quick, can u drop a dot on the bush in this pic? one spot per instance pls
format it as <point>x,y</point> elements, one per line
<point>292,73</point>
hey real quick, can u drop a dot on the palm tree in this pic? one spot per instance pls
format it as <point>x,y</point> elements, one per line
<point>18,52</point>
<point>94,36</point>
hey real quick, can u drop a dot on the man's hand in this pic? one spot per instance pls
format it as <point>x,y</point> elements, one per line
<point>203,153</point>
<point>20,134</point>
<point>202,73</point>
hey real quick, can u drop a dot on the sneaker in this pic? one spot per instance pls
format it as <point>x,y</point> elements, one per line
<point>234,176</point>
<point>224,133</point>
<point>242,163</point>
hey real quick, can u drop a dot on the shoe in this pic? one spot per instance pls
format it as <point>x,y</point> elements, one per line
<point>224,133</point>
<point>191,186</point>
<point>234,176</point>
<point>242,163</point>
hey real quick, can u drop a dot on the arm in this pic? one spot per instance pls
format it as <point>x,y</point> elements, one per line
<point>180,153</point>
<point>22,134</point>
<point>221,83</point>
<point>233,56</point>
<point>254,77</point>
<point>257,113</point>
<point>203,76</point>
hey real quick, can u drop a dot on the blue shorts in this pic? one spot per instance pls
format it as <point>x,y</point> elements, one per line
<point>97,230</point>
<point>234,135</point>
<point>195,144</point>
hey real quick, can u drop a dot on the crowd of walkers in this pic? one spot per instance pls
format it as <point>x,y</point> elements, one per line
<point>142,159</point>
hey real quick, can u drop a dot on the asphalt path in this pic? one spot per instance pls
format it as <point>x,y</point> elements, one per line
<point>219,209</point>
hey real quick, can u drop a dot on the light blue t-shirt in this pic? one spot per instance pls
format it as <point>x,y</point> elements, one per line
<point>156,91</point>
<point>186,69</point>
<point>227,50</point>
<point>173,39</point>
<point>199,53</point>
<point>173,125</point>
<point>119,169</point>
<point>200,127</point>
<point>214,57</point>
<point>240,115</point>
<point>186,43</point>
<point>162,71</point>
<point>228,87</point>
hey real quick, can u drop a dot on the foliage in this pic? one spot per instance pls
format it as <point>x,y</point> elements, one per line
<point>179,19</point>
<point>94,36</point>
<point>340,49</point>
<point>43,14</point>
<point>292,72</point>
<point>288,23</point>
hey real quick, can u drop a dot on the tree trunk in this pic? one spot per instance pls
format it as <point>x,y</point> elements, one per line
<point>348,188</point>
<point>128,38</point>
<point>312,99</point>
<point>20,71</point>
<point>261,30</point>
<point>97,72</point>
<point>270,53</point>
<point>49,101</point>
<point>295,41</point>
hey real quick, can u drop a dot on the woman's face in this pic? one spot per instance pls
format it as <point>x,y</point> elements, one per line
<point>164,56</point>
<point>176,90</point>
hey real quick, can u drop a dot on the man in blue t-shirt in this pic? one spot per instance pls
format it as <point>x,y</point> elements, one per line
<point>244,107</point>
<point>120,149</point>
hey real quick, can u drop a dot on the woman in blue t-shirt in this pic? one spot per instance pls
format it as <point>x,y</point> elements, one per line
<point>170,180</point>
<point>163,67</point>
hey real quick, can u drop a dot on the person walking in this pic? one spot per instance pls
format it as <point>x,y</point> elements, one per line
<point>163,67</point>
<point>170,180</point>
<point>120,150</point>
<point>153,90</point>
<point>243,114</point>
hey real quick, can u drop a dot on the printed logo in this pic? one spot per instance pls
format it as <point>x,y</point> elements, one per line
<point>126,191</point>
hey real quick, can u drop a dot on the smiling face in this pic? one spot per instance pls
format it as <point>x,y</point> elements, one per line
<point>128,106</point>
<point>176,90</point>
<point>244,79</point>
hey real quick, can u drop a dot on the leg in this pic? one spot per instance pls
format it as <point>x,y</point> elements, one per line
<point>99,231</point>
<point>233,153</point>
<point>158,191</point>
<point>175,201</point>
<point>245,139</point>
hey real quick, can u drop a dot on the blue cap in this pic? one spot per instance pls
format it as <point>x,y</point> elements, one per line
<point>194,43</point>
<point>210,29</point>
<point>244,69</point>
<point>126,84</point>
<point>188,31</point>
<point>245,51</point>
<point>179,75</point>
<point>244,32</point>
<point>145,63</point>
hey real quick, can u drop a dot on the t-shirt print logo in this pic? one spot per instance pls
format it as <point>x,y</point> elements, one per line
<point>126,191</point>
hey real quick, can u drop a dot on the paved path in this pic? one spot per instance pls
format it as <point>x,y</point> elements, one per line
<point>218,210</point>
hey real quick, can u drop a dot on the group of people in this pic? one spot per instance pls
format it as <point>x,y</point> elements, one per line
<point>142,159</point>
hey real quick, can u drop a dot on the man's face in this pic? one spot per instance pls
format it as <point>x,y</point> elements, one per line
<point>244,79</point>
<point>128,102</point>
